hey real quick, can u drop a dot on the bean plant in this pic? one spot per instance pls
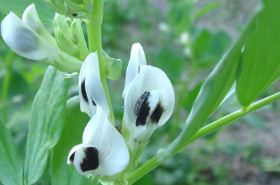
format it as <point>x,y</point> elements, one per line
<point>76,137</point>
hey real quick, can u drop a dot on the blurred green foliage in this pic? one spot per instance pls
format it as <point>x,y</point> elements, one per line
<point>176,40</point>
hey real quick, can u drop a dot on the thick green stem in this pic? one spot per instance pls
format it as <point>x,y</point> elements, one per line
<point>156,161</point>
<point>94,24</point>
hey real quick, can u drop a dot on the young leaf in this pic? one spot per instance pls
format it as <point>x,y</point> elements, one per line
<point>11,168</point>
<point>47,121</point>
<point>261,61</point>
<point>75,122</point>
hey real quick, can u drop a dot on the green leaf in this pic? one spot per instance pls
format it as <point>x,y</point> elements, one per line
<point>11,167</point>
<point>75,122</point>
<point>18,6</point>
<point>260,66</point>
<point>47,121</point>
<point>213,91</point>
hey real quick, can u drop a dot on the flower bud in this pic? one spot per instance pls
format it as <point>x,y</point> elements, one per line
<point>69,36</point>
<point>63,36</point>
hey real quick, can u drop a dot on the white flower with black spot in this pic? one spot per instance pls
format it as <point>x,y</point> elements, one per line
<point>29,38</point>
<point>103,150</point>
<point>148,96</point>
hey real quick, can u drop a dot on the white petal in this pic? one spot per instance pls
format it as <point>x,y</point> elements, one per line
<point>86,159</point>
<point>85,105</point>
<point>154,99</point>
<point>154,81</point>
<point>92,87</point>
<point>30,17</point>
<point>71,154</point>
<point>21,39</point>
<point>137,58</point>
<point>112,149</point>
<point>94,127</point>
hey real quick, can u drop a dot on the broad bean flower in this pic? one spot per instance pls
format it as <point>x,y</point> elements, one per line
<point>103,150</point>
<point>29,38</point>
<point>148,96</point>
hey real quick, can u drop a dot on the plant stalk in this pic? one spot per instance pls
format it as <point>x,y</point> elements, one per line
<point>94,24</point>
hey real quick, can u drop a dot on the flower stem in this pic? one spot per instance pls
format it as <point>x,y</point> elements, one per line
<point>94,24</point>
<point>156,161</point>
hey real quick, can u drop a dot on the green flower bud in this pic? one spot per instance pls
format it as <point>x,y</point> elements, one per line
<point>78,38</point>
<point>69,36</point>
<point>63,36</point>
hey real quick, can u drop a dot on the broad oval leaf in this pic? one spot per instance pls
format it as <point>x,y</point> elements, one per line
<point>75,122</point>
<point>11,167</point>
<point>260,66</point>
<point>47,121</point>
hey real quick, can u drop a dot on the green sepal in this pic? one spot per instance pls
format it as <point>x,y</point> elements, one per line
<point>78,38</point>
<point>112,66</point>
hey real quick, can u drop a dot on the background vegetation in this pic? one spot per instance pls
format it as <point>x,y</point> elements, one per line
<point>185,38</point>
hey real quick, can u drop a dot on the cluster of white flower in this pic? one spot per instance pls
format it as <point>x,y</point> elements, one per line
<point>148,97</point>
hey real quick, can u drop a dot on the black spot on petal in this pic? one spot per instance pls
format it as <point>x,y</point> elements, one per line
<point>156,115</point>
<point>91,160</point>
<point>72,156</point>
<point>74,14</point>
<point>142,109</point>
<point>93,102</point>
<point>83,90</point>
